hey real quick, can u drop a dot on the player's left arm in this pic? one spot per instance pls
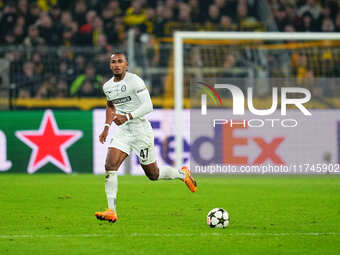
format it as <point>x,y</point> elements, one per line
<point>146,104</point>
<point>145,107</point>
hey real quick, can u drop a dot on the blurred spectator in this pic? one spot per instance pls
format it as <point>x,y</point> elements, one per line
<point>58,27</point>
<point>220,4</point>
<point>46,29</point>
<point>329,67</point>
<point>34,13</point>
<point>87,84</point>
<point>291,14</point>
<point>67,21</point>
<point>46,5</point>
<point>79,12</point>
<point>170,4</point>
<point>301,68</point>
<point>325,12</point>
<point>84,36</point>
<point>21,21</point>
<point>244,20</point>
<point>18,34</point>
<point>98,30</point>
<point>69,29</point>
<point>88,90</point>
<point>38,64</point>
<point>327,25</point>
<point>333,6</point>
<point>229,8</point>
<point>114,8</point>
<point>309,82</point>
<point>184,14</point>
<point>9,38</point>
<point>289,29</point>
<point>149,24</point>
<point>213,17</point>
<point>153,53</point>
<point>195,11</point>
<point>66,72</point>
<point>163,25</point>
<point>307,24</point>
<point>113,30</point>
<point>22,8</point>
<point>159,21</point>
<point>135,15</point>
<point>337,23</point>
<point>48,88</point>
<point>312,7</point>
<point>226,23</point>
<point>8,20</point>
<point>67,36</point>
<point>27,81</point>
<point>79,64</point>
<point>33,38</point>
<point>56,14</point>
<point>61,89</point>
<point>281,19</point>
<point>119,32</point>
<point>102,56</point>
<point>232,70</point>
<point>229,62</point>
<point>102,47</point>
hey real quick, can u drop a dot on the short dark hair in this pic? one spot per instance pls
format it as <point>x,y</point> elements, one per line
<point>121,53</point>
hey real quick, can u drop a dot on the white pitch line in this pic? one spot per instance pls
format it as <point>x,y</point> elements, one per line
<point>172,235</point>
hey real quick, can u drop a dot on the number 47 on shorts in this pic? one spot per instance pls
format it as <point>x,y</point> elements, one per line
<point>144,153</point>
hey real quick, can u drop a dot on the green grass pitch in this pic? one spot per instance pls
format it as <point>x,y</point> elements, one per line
<point>53,214</point>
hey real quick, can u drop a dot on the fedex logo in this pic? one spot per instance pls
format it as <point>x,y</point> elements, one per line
<point>224,142</point>
<point>166,145</point>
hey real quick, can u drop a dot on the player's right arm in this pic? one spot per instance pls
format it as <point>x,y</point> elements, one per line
<point>110,109</point>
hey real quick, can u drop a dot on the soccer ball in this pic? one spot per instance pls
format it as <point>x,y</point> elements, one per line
<point>218,218</point>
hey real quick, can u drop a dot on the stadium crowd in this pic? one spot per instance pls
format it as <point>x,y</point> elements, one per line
<point>61,22</point>
<point>306,15</point>
<point>28,27</point>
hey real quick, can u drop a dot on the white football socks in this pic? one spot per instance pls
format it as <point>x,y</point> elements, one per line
<point>169,173</point>
<point>111,187</point>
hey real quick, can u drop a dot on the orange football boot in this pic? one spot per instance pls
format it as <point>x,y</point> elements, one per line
<point>189,180</point>
<point>108,215</point>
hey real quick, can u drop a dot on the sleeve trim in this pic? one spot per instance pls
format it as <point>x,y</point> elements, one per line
<point>140,90</point>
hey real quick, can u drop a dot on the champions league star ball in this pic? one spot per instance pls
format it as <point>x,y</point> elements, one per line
<point>218,218</point>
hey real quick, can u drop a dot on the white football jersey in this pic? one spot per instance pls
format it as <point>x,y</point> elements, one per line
<point>123,94</point>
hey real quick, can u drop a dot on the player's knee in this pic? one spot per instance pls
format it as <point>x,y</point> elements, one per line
<point>111,166</point>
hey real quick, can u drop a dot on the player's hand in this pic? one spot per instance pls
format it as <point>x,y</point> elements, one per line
<point>103,135</point>
<point>119,119</point>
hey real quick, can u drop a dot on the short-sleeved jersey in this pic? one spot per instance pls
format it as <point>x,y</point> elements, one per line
<point>123,94</point>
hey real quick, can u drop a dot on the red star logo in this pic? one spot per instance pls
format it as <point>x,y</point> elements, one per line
<point>49,144</point>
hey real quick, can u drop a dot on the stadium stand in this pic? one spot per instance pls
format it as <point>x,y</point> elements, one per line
<point>50,44</point>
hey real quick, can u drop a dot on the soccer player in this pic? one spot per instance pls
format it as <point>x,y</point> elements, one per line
<point>128,101</point>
